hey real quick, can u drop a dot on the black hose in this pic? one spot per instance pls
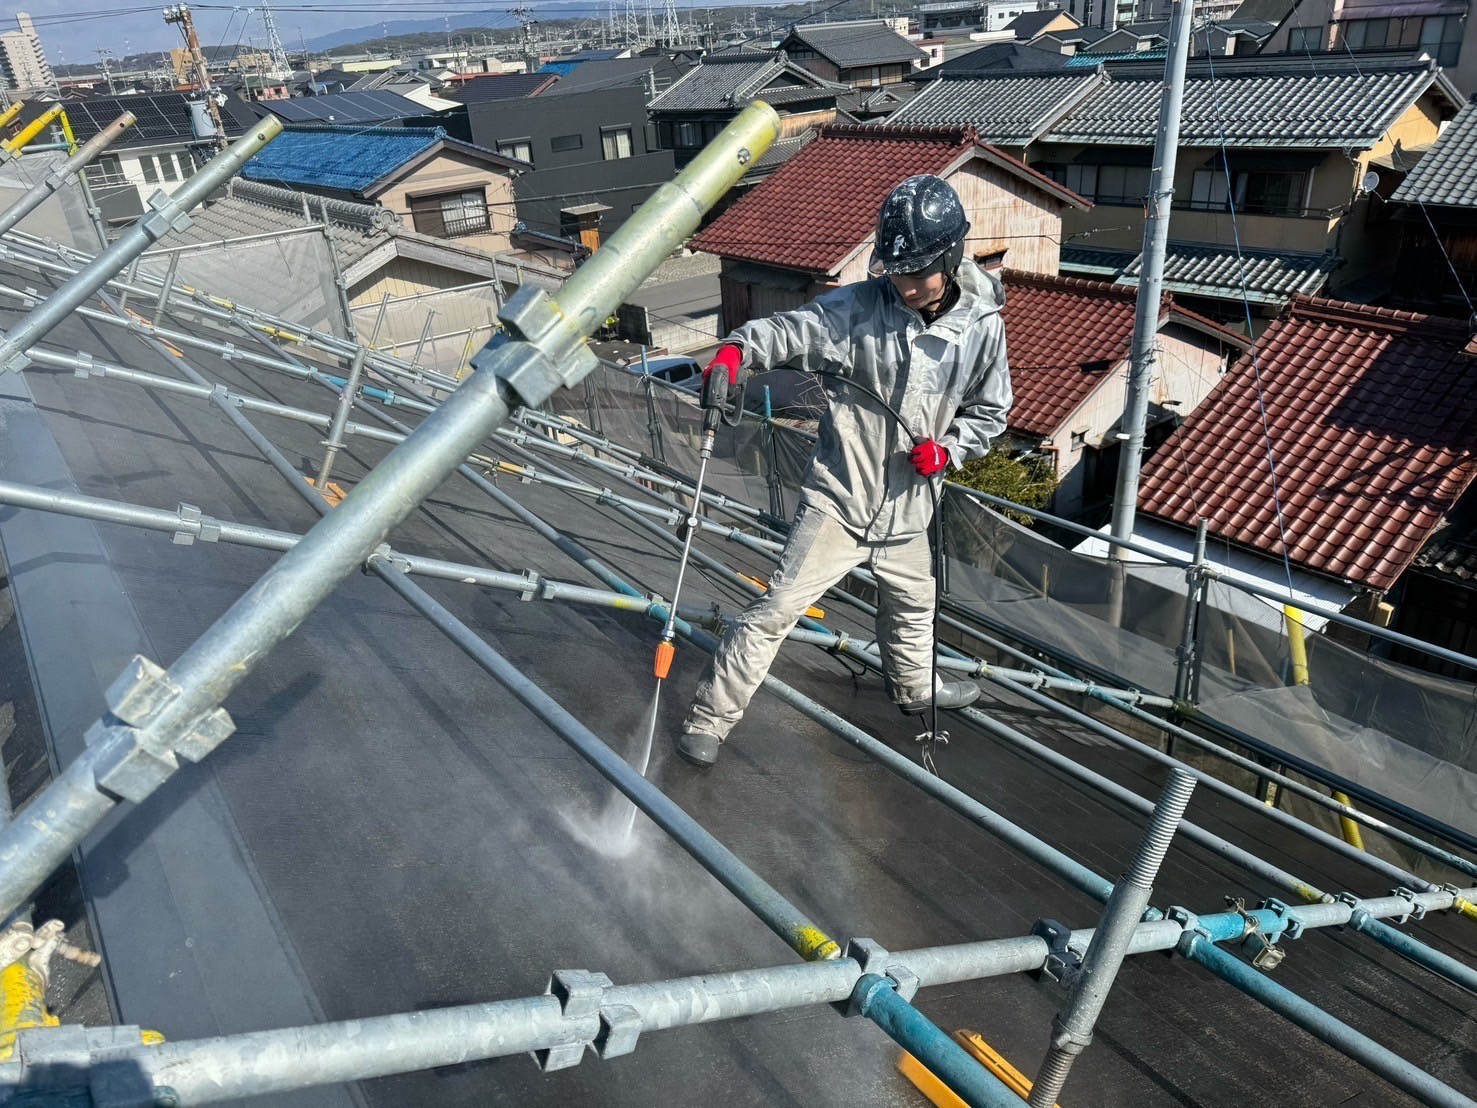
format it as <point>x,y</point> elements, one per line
<point>938,558</point>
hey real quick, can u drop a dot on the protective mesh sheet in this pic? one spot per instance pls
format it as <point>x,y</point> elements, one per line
<point>62,217</point>
<point>462,320</point>
<point>1399,731</point>
<point>289,275</point>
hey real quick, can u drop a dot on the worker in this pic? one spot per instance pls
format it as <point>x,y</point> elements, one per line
<point>924,334</point>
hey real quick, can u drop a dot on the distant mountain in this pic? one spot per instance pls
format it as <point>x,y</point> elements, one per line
<point>492,18</point>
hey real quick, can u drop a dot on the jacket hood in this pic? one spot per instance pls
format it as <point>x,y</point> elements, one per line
<point>980,290</point>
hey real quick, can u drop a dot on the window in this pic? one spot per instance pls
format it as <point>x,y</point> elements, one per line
<point>1302,40</point>
<point>1370,34</point>
<point>1103,184</point>
<point>165,168</point>
<point>450,215</point>
<point>615,143</point>
<point>560,143</point>
<point>1441,37</point>
<point>687,134</point>
<point>521,149</point>
<point>1259,192</point>
<point>105,170</point>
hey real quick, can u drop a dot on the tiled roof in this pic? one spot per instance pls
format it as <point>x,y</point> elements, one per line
<point>870,42</point>
<point>616,73</point>
<point>1372,415</point>
<point>867,102</point>
<point>1028,25</point>
<point>326,157</point>
<point>1090,60</point>
<point>1008,110</point>
<point>1002,57</point>
<point>1447,173</point>
<point>734,80</point>
<point>1096,261</point>
<point>1258,101</point>
<point>816,211</point>
<point>1064,336</point>
<point>1454,554</point>
<point>779,152</point>
<point>1271,276</point>
<point>501,86</point>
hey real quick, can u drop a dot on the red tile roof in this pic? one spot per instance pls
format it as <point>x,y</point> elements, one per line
<point>1372,415</point>
<point>1065,335</point>
<point>813,213</point>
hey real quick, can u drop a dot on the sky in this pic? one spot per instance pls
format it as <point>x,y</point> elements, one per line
<point>72,31</point>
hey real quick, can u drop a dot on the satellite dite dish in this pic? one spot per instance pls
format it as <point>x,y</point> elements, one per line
<point>1370,183</point>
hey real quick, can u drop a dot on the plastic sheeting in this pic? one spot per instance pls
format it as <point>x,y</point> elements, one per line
<point>1402,732</point>
<point>461,321</point>
<point>62,217</point>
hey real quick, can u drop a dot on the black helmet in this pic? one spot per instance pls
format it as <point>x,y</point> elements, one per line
<point>920,228</point>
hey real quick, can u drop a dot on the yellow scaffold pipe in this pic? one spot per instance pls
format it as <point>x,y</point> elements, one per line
<point>28,133</point>
<point>11,112</point>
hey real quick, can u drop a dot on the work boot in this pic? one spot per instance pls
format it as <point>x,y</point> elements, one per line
<point>951,695</point>
<point>701,748</point>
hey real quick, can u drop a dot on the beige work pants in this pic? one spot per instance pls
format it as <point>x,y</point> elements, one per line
<point>818,554</point>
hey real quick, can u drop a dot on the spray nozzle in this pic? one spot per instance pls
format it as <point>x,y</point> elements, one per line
<point>665,653</point>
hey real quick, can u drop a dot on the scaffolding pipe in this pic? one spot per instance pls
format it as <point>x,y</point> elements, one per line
<point>165,215</point>
<point>24,137</point>
<point>231,1067</point>
<point>133,754</point>
<point>38,193</point>
<point>1072,1029</point>
<point>341,409</point>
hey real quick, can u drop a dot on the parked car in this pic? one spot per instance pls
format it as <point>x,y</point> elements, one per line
<point>685,373</point>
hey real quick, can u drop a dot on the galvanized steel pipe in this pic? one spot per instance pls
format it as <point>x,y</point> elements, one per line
<point>37,194</point>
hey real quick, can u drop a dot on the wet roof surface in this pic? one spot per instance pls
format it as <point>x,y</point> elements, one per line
<point>388,830</point>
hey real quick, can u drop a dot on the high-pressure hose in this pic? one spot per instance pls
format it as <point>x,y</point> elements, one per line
<point>934,736</point>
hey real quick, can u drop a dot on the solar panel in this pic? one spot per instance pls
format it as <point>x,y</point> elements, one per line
<point>363,107</point>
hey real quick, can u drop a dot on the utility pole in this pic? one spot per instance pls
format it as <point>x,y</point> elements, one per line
<point>180,13</point>
<point>103,55</point>
<point>1151,276</point>
<point>523,14</point>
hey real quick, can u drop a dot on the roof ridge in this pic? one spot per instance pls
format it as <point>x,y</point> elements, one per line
<point>1385,319</point>
<point>954,134</point>
<point>1068,284</point>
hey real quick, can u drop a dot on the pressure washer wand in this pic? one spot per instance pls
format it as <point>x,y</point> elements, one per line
<point>718,399</point>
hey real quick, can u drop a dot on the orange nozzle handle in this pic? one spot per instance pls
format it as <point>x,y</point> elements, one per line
<point>665,652</point>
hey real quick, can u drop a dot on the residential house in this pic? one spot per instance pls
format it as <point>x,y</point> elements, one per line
<point>1434,198</point>
<point>1272,156</point>
<point>809,227</point>
<point>1031,25</point>
<point>1438,29</point>
<point>161,151</point>
<point>864,54</point>
<point>594,157</point>
<point>695,109</point>
<point>1069,342</point>
<point>500,86</point>
<point>1002,57</point>
<point>1366,414</point>
<point>257,87</point>
<point>449,189</point>
<point>867,104</point>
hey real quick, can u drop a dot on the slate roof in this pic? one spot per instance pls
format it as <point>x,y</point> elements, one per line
<point>1447,173</point>
<point>1007,110</point>
<point>853,168</point>
<point>1016,57</point>
<point>1372,416</point>
<point>1259,101</point>
<point>869,42</point>
<point>615,73</point>
<point>352,161</point>
<point>346,108</point>
<point>1096,261</point>
<point>736,79</point>
<point>501,86</point>
<point>1207,269</point>
<point>1066,337</point>
<point>1028,25</point>
<point>163,117</point>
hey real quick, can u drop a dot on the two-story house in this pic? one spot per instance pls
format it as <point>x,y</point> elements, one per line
<point>1272,160</point>
<point>863,54</point>
<point>595,158</point>
<point>1435,204</point>
<point>695,109</point>
<point>446,188</point>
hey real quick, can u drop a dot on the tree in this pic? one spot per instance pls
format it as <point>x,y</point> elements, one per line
<point>1028,481</point>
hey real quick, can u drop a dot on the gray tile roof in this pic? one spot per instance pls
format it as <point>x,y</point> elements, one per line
<point>1002,57</point>
<point>1258,101</point>
<point>871,42</point>
<point>1006,110</point>
<point>1207,269</point>
<point>1096,261</point>
<point>778,154</point>
<point>1028,25</point>
<point>1447,173</point>
<point>734,80</point>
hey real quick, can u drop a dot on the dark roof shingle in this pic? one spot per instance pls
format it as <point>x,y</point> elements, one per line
<point>1270,276</point>
<point>869,42</point>
<point>1371,415</point>
<point>1002,57</point>
<point>734,80</point>
<point>500,86</point>
<point>1007,110</point>
<point>1028,25</point>
<point>1447,173</point>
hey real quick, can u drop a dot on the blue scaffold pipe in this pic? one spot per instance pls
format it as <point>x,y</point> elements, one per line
<point>1318,1023</point>
<point>876,998</point>
<point>1422,954</point>
<point>384,396</point>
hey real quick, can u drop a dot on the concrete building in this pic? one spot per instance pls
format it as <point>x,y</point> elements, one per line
<point>23,63</point>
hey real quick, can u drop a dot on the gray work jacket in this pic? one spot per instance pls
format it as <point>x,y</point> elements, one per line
<point>948,381</point>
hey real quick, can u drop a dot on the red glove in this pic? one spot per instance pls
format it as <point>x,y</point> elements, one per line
<point>929,458</point>
<point>730,357</point>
